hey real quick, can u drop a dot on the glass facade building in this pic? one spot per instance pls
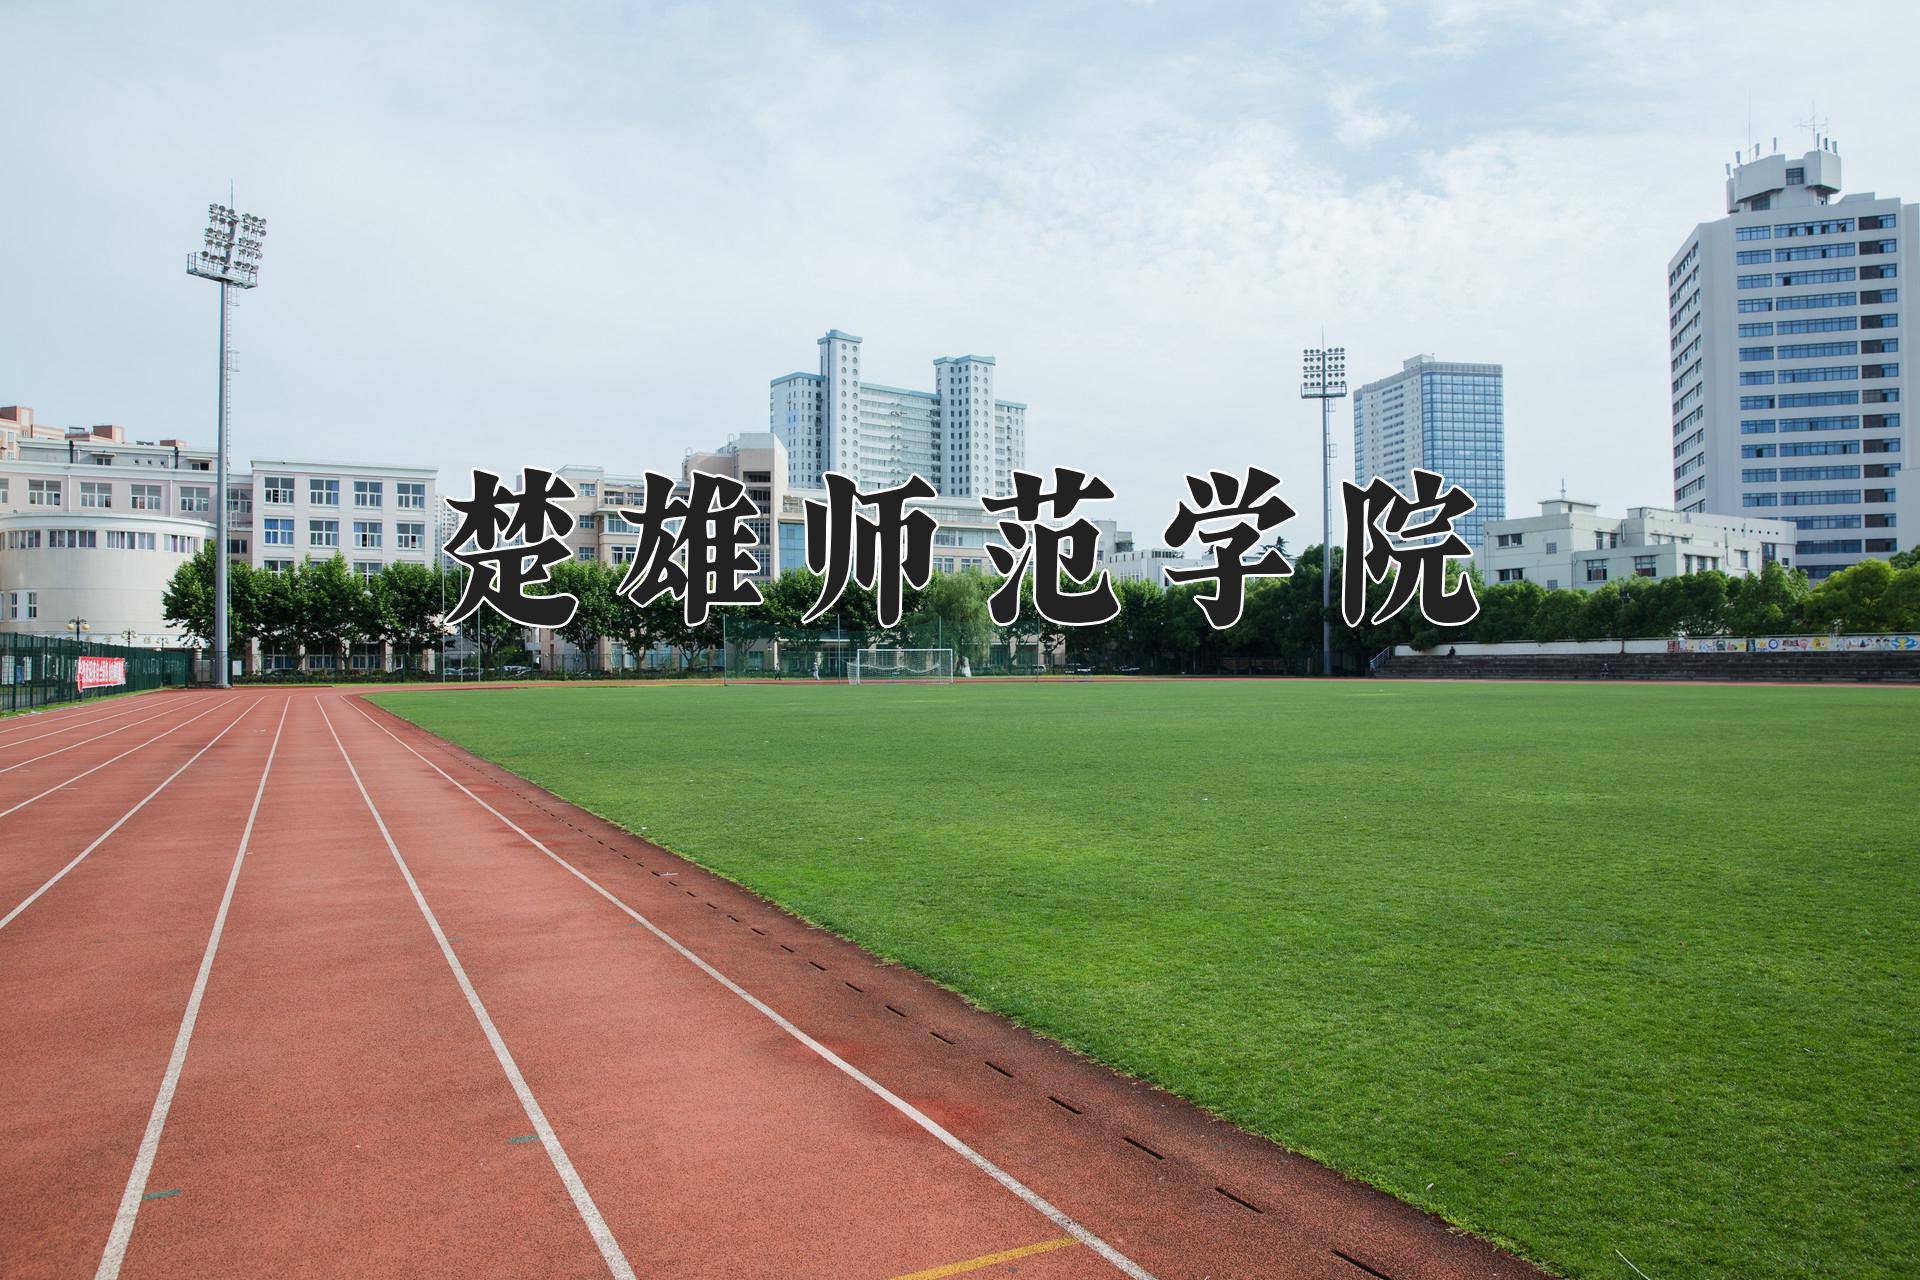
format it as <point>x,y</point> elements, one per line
<point>1438,416</point>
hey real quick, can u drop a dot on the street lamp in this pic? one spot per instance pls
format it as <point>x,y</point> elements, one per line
<point>1323,377</point>
<point>79,625</point>
<point>230,257</point>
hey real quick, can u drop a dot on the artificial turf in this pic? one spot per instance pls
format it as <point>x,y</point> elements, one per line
<point>1584,968</point>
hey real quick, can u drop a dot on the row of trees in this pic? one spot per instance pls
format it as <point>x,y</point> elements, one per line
<point>324,608</point>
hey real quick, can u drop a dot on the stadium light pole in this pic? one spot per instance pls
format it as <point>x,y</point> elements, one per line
<point>230,257</point>
<point>1323,377</point>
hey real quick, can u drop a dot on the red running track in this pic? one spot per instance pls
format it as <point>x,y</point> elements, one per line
<point>291,988</point>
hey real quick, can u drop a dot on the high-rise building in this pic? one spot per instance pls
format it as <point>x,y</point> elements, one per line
<point>1440,416</point>
<point>1784,333</point>
<point>962,439</point>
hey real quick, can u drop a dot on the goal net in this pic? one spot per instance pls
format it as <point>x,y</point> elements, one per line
<point>892,665</point>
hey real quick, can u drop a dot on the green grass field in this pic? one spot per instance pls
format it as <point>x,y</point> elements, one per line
<point>1582,968</point>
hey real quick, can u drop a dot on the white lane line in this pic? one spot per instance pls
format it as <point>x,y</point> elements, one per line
<point>68,724</point>
<point>48,755</point>
<point>216,704</point>
<point>1034,1200</point>
<point>582,1200</point>
<point>80,857</point>
<point>123,1221</point>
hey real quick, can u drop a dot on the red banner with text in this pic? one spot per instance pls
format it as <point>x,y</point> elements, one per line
<point>100,673</point>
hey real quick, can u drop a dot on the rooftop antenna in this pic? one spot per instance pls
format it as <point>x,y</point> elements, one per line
<point>1563,488</point>
<point>1815,124</point>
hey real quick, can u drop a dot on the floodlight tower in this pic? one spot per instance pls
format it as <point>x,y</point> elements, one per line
<point>231,258</point>
<point>1323,377</point>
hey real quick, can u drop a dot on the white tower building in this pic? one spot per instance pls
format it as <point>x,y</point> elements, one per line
<point>1787,381</point>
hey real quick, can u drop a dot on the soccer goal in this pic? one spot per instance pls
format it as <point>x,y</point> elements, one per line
<point>889,665</point>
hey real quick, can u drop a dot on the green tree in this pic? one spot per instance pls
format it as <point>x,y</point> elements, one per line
<point>187,601</point>
<point>953,606</point>
<point>1768,603</point>
<point>332,607</point>
<point>412,600</point>
<point>1851,599</point>
<point>595,586</point>
<point>495,636</point>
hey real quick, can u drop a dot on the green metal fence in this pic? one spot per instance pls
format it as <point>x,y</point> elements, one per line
<point>39,671</point>
<point>756,651</point>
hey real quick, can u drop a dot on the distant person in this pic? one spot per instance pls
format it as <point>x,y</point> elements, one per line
<point>966,668</point>
<point>816,666</point>
<point>1450,652</point>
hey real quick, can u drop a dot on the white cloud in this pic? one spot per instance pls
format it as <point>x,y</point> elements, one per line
<point>499,242</point>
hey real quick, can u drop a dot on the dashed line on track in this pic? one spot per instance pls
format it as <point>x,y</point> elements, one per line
<point>1020,1190</point>
<point>80,857</point>
<point>583,1202</point>
<point>118,1238</point>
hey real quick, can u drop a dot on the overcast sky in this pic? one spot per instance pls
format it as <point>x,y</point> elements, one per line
<point>499,237</point>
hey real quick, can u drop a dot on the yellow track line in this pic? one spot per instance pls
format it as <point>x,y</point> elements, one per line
<point>989,1259</point>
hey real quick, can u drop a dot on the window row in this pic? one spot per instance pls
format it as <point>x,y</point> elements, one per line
<point>91,539</point>
<point>367,534</point>
<point>408,495</point>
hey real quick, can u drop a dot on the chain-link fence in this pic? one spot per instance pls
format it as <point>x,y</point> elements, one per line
<point>754,651</point>
<point>38,671</point>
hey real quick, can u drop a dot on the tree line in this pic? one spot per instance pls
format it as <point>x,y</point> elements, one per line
<point>323,607</point>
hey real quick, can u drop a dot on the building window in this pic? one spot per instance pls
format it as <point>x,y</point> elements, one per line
<point>144,497</point>
<point>96,493</point>
<point>366,533</point>
<point>409,537</point>
<point>323,493</point>
<point>584,553</point>
<point>411,495</point>
<point>366,570</point>
<point>239,502</point>
<point>276,533</point>
<point>1506,575</point>
<point>1645,567</point>
<point>43,493</point>
<point>278,491</point>
<point>195,499</point>
<point>368,493</point>
<point>1596,571</point>
<point>323,533</point>
<point>277,566</point>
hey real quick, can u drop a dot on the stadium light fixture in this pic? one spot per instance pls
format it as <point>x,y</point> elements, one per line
<point>1323,377</point>
<point>230,257</point>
